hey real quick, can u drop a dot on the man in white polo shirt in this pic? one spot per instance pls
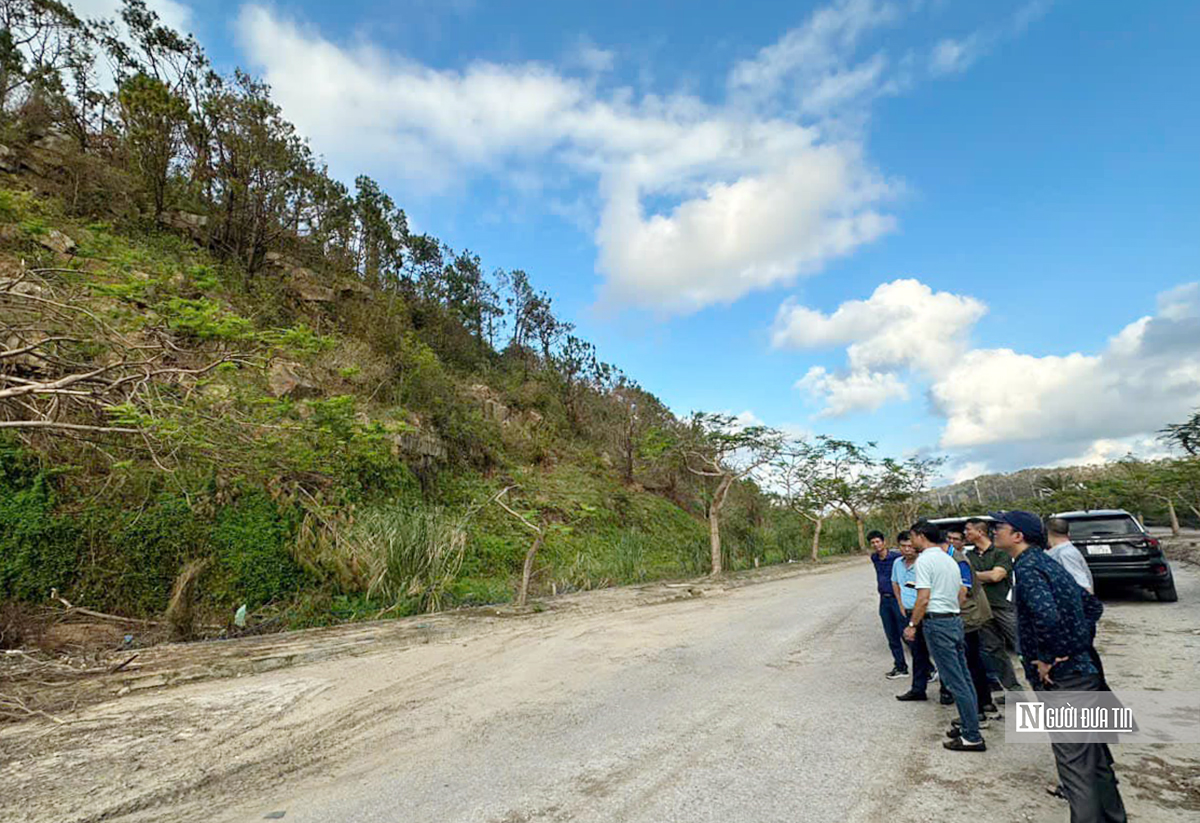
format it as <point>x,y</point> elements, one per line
<point>940,592</point>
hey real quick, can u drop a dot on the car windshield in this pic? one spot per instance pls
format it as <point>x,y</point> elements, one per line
<point>1104,527</point>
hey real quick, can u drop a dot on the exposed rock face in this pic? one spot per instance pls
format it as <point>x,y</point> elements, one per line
<point>55,240</point>
<point>489,403</point>
<point>194,226</point>
<point>488,400</point>
<point>421,446</point>
<point>311,287</point>
<point>8,160</point>
<point>49,154</point>
<point>287,380</point>
<point>304,286</point>
<point>353,288</point>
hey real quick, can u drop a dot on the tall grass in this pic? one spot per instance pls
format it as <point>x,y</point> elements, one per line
<point>411,552</point>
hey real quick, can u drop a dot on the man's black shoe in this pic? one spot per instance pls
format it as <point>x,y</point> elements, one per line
<point>960,745</point>
<point>897,673</point>
<point>1058,792</point>
<point>911,695</point>
<point>945,698</point>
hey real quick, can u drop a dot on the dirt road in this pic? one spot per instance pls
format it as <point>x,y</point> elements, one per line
<point>760,703</point>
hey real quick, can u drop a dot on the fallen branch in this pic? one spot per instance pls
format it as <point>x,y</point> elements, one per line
<point>54,424</point>
<point>71,609</point>
<point>17,703</point>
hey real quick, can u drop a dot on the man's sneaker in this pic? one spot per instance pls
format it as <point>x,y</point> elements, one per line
<point>897,673</point>
<point>960,745</point>
<point>933,675</point>
<point>911,695</point>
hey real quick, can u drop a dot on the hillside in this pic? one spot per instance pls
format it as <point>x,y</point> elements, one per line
<point>198,415</point>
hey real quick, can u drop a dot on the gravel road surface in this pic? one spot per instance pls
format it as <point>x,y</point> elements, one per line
<point>761,703</point>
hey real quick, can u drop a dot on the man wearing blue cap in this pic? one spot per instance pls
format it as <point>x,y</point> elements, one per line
<point>1055,643</point>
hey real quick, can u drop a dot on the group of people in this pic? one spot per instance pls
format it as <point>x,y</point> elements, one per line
<point>961,601</point>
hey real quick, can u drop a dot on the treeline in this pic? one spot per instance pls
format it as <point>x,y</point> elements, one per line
<point>1163,492</point>
<point>193,140</point>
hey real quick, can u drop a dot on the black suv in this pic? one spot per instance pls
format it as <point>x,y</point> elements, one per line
<point>1118,550</point>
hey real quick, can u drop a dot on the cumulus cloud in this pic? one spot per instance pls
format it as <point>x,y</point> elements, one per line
<point>855,391</point>
<point>888,329</point>
<point>1003,407</point>
<point>1148,375</point>
<point>886,335</point>
<point>699,202</point>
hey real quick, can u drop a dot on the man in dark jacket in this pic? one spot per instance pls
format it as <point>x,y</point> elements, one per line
<point>1056,639</point>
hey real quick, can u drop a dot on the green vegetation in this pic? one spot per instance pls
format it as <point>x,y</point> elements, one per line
<point>214,353</point>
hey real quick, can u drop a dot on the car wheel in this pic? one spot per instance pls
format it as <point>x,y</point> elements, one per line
<point>1167,593</point>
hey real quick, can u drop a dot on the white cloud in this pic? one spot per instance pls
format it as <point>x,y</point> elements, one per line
<point>592,58</point>
<point>967,471</point>
<point>1180,303</point>
<point>1001,406</point>
<point>816,57</point>
<point>902,324</point>
<point>172,13</point>
<point>852,392</point>
<point>955,55</point>
<point>952,56</point>
<point>700,203</point>
<point>1078,406</point>
<point>1108,449</point>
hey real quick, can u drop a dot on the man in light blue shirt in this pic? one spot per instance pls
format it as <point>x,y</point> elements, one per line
<point>940,592</point>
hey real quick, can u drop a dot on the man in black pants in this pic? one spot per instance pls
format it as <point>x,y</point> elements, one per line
<point>1055,639</point>
<point>889,610</point>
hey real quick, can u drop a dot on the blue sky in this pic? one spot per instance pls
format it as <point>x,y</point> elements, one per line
<point>957,227</point>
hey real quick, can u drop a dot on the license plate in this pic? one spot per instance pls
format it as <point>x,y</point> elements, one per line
<point>1101,548</point>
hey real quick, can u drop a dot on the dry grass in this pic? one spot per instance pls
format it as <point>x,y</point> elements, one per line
<point>181,613</point>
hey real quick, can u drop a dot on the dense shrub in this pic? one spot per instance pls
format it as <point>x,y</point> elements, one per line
<point>39,550</point>
<point>136,555</point>
<point>252,539</point>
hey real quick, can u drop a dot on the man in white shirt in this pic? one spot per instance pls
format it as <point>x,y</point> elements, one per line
<point>1063,551</point>
<point>940,593</point>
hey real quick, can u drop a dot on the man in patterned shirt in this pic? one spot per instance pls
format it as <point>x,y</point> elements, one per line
<point>1055,640</point>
